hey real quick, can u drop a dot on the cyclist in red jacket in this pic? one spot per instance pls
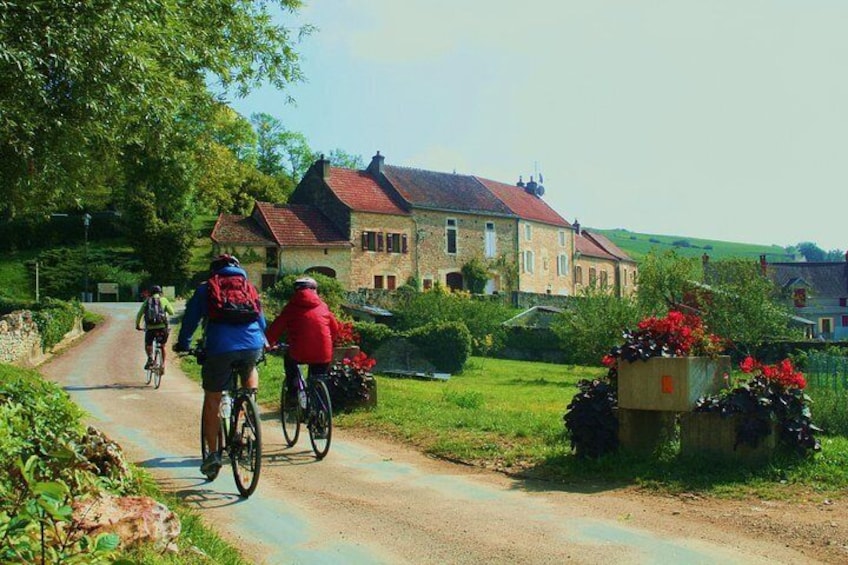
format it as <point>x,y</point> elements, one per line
<point>309,327</point>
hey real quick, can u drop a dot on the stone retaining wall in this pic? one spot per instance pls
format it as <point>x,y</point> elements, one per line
<point>20,340</point>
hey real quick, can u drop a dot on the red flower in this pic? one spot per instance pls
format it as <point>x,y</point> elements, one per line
<point>782,373</point>
<point>345,335</point>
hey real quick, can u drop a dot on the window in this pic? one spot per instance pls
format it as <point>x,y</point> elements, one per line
<point>562,264</point>
<point>633,278</point>
<point>450,235</point>
<point>562,238</point>
<point>369,241</point>
<point>378,281</point>
<point>271,257</point>
<point>393,243</point>
<point>845,321</point>
<point>578,275</point>
<point>593,276</point>
<point>491,242</point>
<point>528,232</point>
<point>826,325</point>
<point>391,282</point>
<point>427,284</point>
<point>843,302</point>
<point>529,260</point>
<point>604,279</point>
<point>624,277</point>
<point>799,297</point>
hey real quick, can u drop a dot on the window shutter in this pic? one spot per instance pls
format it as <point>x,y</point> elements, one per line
<point>365,241</point>
<point>404,244</point>
<point>380,241</point>
<point>390,243</point>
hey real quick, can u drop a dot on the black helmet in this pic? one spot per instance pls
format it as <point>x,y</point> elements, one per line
<point>305,282</point>
<point>225,260</point>
<point>155,289</point>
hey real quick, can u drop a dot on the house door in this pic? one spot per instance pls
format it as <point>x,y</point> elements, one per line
<point>454,281</point>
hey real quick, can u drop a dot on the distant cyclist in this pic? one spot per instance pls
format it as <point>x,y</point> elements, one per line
<point>234,332</point>
<point>309,326</point>
<point>155,312</point>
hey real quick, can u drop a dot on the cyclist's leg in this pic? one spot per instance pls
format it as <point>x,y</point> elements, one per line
<point>216,377</point>
<point>163,339</point>
<point>318,369</point>
<point>292,371</point>
<point>148,346</point>
<point>248,372</point>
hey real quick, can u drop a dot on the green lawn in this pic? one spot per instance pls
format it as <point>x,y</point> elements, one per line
<point>18,283</point>
<point>507,415</point>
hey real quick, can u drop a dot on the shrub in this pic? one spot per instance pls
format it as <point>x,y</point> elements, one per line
<point>590,419</point>
<point>372,335</point>
<point>446,344</point>
<point>54,319</point>
<point>476,275</point>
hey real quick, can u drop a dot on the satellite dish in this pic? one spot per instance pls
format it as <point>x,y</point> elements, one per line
<point>540,190</point>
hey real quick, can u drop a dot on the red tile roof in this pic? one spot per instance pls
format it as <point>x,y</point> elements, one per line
<point>232,228</point>
<point>608,246</point>
<point>586,245</point>
<point>524,205</point>
<point>299,225</point>
<point>444,191</point>
<point>361,193</point>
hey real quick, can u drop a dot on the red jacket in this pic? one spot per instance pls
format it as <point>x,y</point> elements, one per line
<point>309,327</point>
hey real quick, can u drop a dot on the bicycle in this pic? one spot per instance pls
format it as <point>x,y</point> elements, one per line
<point>239,432</point>
<point>157,366</point>
<point>309,404</point>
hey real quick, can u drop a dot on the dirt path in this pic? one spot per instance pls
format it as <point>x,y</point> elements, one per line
<point>373,501</point>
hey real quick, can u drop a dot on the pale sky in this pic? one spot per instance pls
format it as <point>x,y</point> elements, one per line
<point>720,119</point>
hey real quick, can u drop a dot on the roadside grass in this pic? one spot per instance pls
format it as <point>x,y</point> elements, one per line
<point>508,416</point>
<point>18,283</point>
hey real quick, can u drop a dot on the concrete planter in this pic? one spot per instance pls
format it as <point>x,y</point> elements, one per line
<point>671,384</point>
<point>709,433</point>
<point>347,352</point>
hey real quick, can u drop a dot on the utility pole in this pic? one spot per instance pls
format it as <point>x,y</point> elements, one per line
<point>86,220</point>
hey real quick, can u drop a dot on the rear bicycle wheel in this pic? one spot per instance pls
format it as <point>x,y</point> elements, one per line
<point>290,415</point>
<point>320,420</point>
<point>158,366</point>
<point>246,445</point>
<point>206,449</point>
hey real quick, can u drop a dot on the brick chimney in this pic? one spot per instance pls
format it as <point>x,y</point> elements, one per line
<point>375,168</point>
<point>705,259</point>
<point>763,264</point>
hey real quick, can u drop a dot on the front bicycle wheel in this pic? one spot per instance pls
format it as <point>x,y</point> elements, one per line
<point>206,449</point>
<point>158,367</point>
<point>246,445</point>
<point>290,415</point>
<point>320,420</point>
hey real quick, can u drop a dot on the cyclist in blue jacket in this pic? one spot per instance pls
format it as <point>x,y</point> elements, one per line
<point>225,342</point>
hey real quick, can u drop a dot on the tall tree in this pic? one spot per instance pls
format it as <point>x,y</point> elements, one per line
<point>80,79</point>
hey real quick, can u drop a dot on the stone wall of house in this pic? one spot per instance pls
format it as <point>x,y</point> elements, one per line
<point>366,265</point>
<point>300,259</point>
<point>545,244</point>
<point>434,263</point>
<point>20,340</point>
<point>608,266</point>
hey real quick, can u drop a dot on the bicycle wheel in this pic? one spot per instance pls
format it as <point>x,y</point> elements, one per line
<point>320,421</point>
<point>290,415</point>
<point>149,373</point>
<point>246,445</point>
<point>158,366</point>
<point>205,449</point>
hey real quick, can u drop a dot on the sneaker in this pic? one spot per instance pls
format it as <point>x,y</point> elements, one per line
<point>211,465</point>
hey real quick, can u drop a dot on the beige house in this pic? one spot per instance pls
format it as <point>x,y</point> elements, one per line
<point>601,264</point>
<point>384,226</point>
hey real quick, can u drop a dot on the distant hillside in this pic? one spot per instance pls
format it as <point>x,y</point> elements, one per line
<point>637,245</point>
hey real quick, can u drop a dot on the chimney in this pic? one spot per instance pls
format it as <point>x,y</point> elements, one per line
<point>576,226</point>
<point>705,259</point>
<point>375,168</point>
<point>520,181</point>
<point>763,264</point>
<point>323,167</point>
<point>530,188</point>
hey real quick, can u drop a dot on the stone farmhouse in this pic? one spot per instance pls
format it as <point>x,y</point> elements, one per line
<point>381,227</point>
<point>818,293</point>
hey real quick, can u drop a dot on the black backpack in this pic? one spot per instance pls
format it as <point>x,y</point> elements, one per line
<point>154,312</point>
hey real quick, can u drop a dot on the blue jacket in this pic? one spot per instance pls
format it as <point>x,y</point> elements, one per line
<point>220,338</point>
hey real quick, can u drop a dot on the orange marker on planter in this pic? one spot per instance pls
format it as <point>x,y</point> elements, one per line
<point>667,384</point>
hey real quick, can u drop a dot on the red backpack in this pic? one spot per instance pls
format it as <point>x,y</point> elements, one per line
<point>232,299</point>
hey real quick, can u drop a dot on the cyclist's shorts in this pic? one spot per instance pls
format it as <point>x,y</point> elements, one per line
<point>217,369</point>
<point>161,332</point>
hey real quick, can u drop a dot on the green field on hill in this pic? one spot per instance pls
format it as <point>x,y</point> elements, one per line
<point>637,245</point>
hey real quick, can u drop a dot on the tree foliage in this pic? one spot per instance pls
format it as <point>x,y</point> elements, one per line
<point>663,280</point>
